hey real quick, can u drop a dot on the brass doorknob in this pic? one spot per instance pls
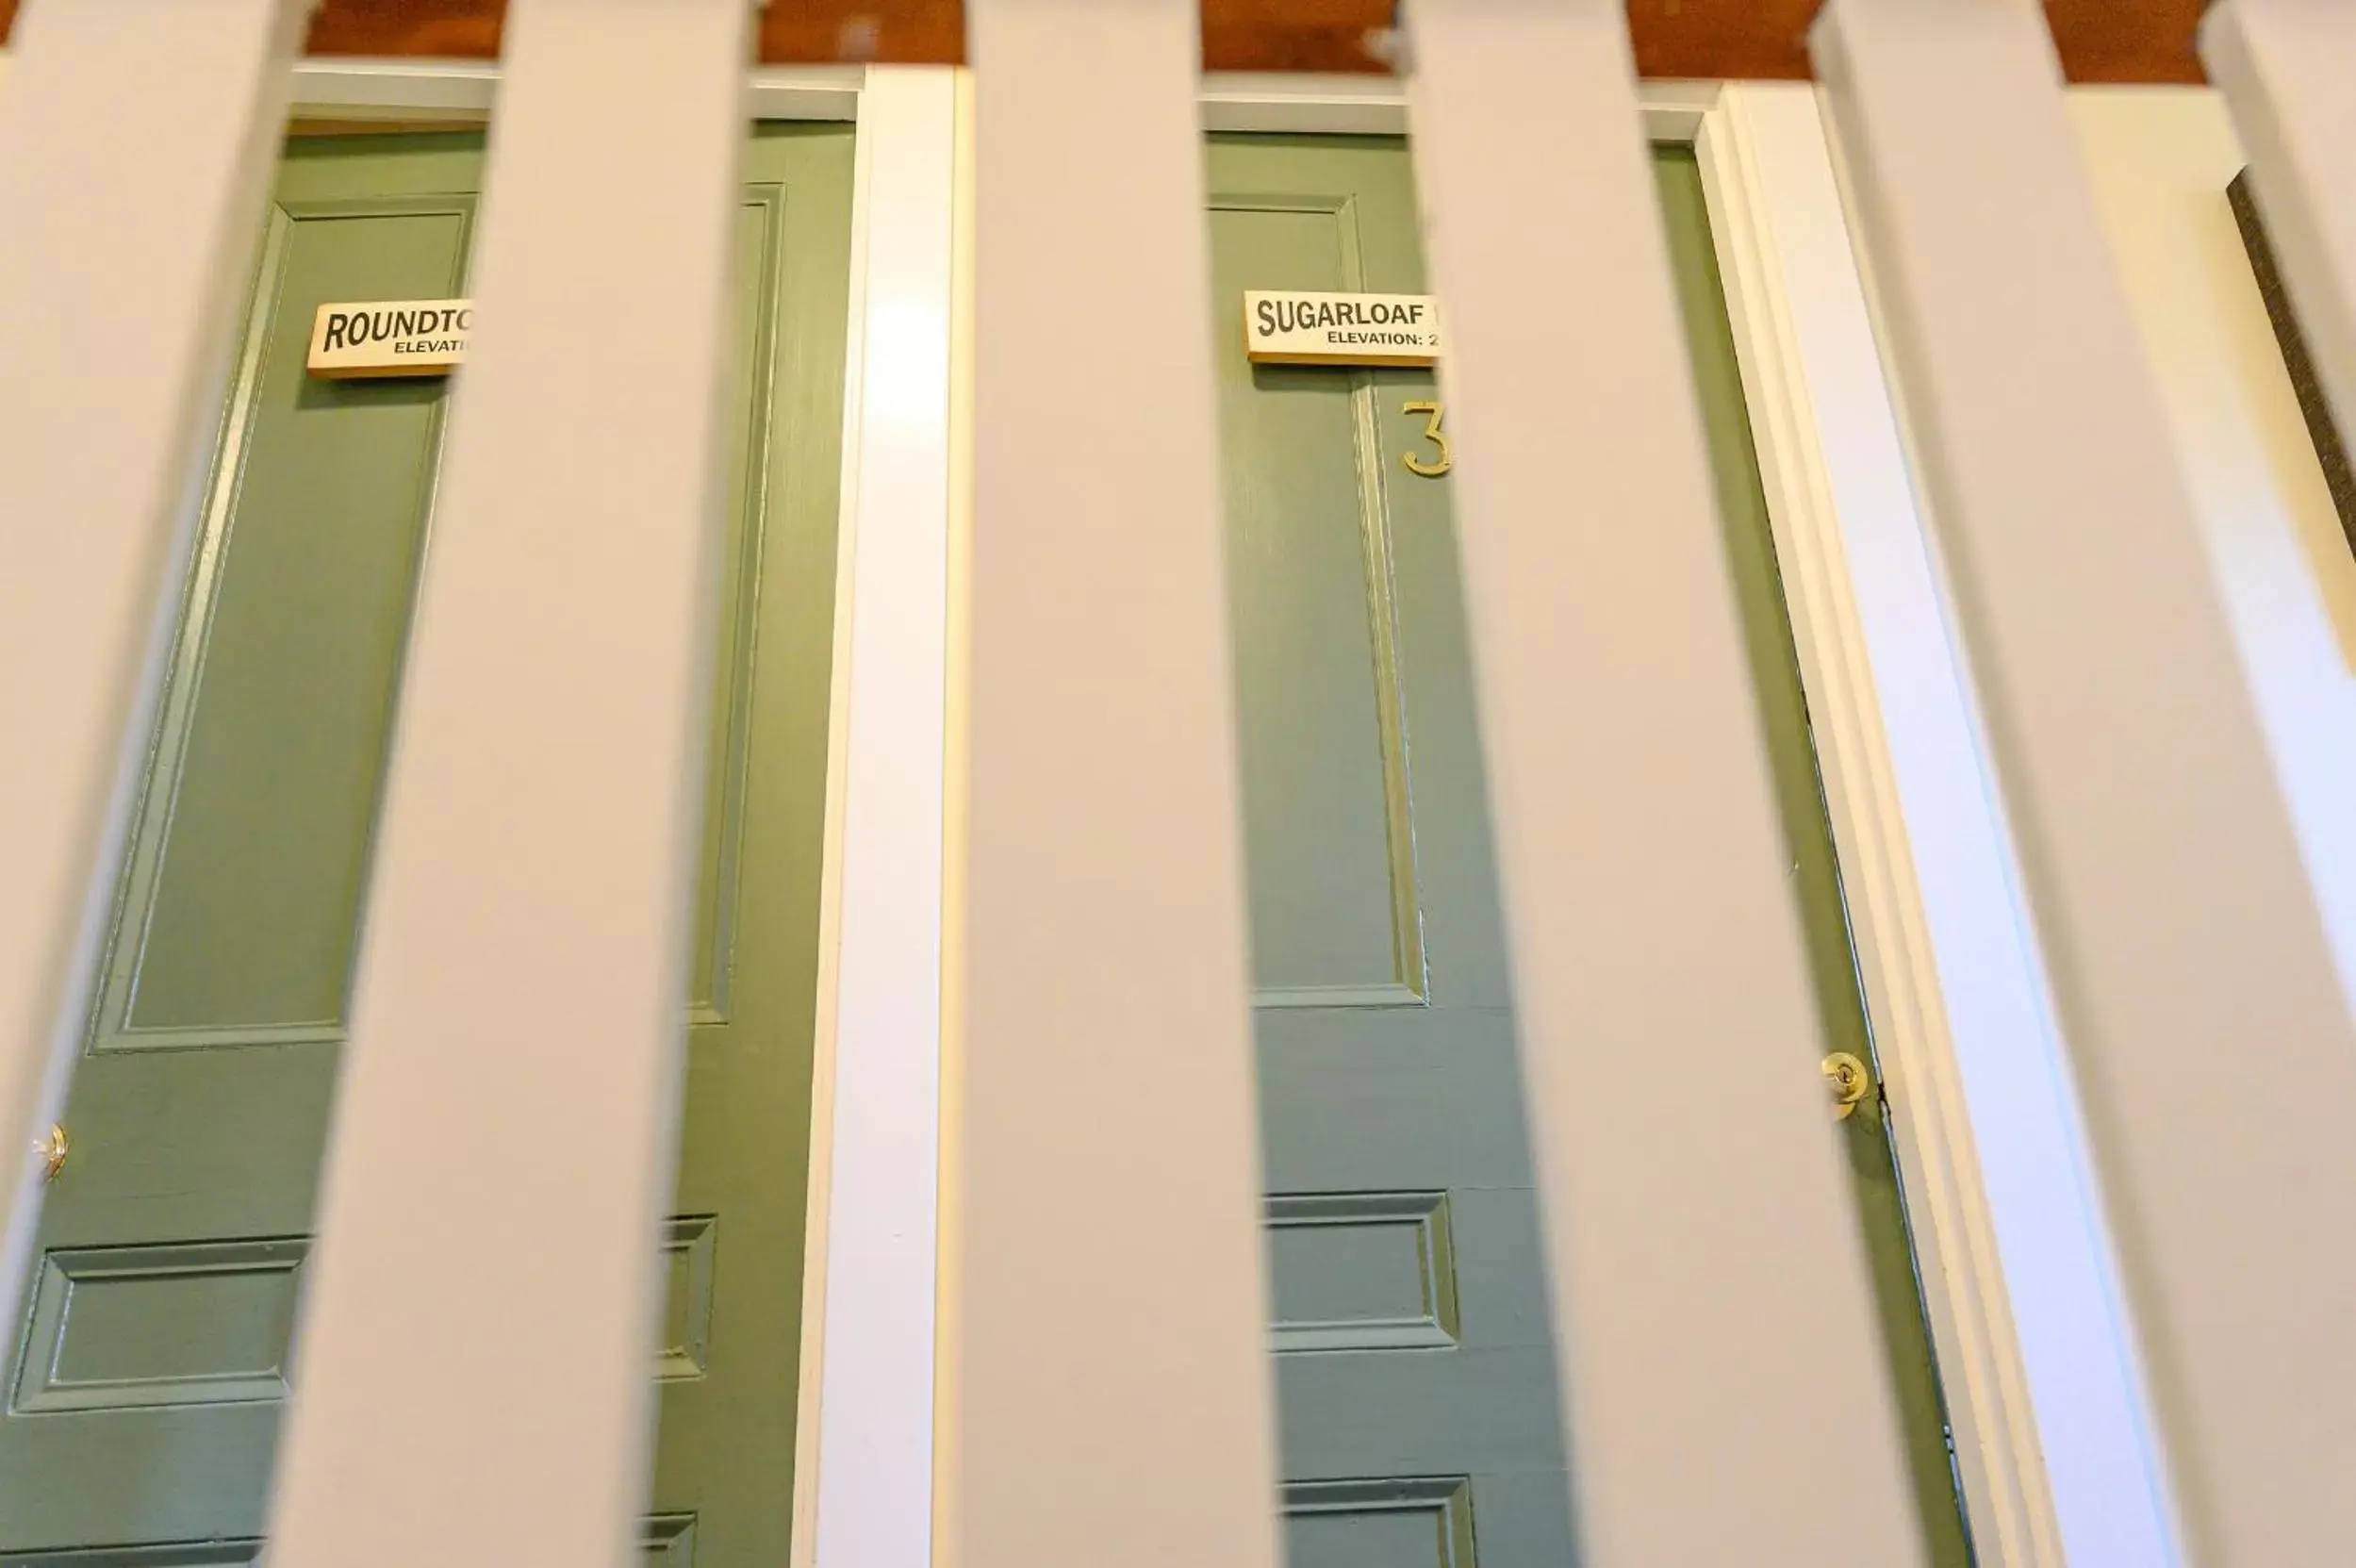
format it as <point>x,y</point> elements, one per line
<point>52,1151</point>
<point>1851,1082</point>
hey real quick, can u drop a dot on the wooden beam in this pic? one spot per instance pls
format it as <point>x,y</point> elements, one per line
<point>2100,41</point>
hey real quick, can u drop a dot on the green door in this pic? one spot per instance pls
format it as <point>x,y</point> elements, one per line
<point>152,1354</point>
<point>1416,1372</point>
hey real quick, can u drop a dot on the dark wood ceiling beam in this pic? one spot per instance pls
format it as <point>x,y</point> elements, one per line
<point>2100,41</point>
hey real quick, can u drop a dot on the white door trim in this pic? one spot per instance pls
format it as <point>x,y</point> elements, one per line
<point>2052,1438</point>
<point>864,1479</point>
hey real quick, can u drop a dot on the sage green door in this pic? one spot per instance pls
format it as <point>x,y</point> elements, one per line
<point>1414,1369</point>
<point>153,1356</point>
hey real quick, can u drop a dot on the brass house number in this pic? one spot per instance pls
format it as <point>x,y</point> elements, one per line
<point>1437,437</point>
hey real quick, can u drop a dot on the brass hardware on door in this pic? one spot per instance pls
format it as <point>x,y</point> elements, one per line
<point>1433,434</point>
<point>52,1150</point>
<point>1851,1082</point>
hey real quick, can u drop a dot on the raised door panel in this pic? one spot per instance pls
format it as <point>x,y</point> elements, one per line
<point>1330,862</point>
<point>1363,1271</point>
<point>240,927</point>
<point>223,985</point>
<point>1422,1523</point>
<point>132,1328</point>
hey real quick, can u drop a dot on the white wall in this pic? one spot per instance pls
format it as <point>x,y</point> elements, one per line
<point>2161,159</point>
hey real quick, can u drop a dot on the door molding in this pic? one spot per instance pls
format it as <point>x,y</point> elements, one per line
<point>460,92</point>
<point>1306,104</point>
<point>2052,1436</point>
<point>863,1475</point>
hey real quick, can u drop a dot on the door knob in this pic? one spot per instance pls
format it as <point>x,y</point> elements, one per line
<point>52,1150</point>
<point>1851,1082</point>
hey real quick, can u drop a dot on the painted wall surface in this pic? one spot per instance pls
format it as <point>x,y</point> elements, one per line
<point>2161,159</point>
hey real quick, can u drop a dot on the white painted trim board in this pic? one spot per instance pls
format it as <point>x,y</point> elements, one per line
<point>2048,1420</point>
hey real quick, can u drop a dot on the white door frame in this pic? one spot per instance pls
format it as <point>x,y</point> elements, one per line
<point>2039,1375</point>
<point>2053,1437</point>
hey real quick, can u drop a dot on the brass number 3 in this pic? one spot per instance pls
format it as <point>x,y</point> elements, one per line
<point>1433,434</point>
